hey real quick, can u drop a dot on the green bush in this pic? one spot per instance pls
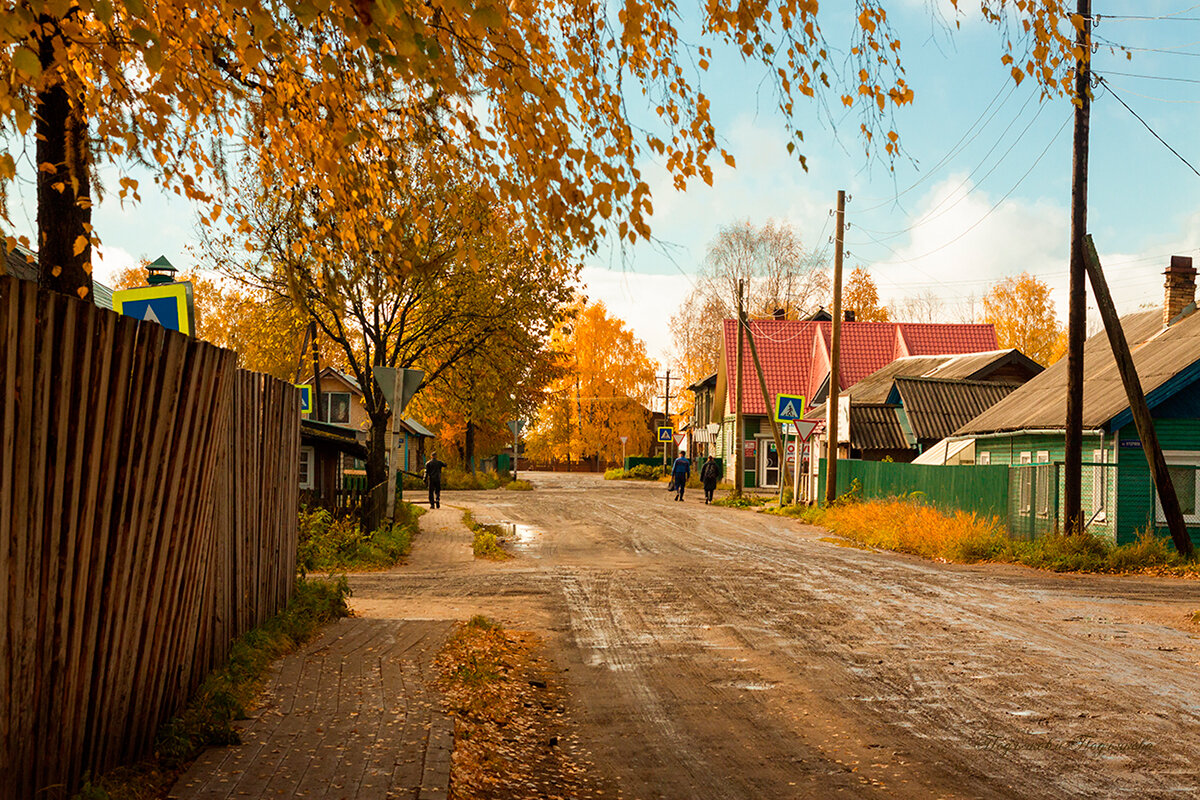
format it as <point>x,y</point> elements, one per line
<point>644,472</point>
<point>328,544</point>
<point>614,474</point>
<point>518,486</point>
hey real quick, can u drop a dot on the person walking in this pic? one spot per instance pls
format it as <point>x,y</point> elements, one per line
<point>680,472</point>
<point>709,475</point>
<point>433,479</point>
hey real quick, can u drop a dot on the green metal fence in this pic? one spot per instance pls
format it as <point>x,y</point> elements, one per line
<point>981,489</point>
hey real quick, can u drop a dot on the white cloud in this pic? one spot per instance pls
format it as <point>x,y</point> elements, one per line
<point>644,302</point>
<point>108,261</point>
<point>962,241</point>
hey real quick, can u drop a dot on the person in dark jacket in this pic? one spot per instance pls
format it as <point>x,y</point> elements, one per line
<point>679,474</point>
<point>433,480</point>
<point>710,473</point>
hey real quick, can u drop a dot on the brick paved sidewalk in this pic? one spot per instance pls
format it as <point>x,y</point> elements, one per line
<point>349,717</point>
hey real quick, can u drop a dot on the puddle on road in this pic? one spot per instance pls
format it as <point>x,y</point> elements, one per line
<point>520,536</point>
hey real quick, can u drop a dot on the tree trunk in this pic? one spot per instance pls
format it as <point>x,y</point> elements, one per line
<point>469,456</point>
<point>63,184</point>
<point>377,445</point>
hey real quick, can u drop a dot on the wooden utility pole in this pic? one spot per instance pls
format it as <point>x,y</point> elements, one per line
<point>762,384</point>
<point>835,358</point>
<point>738,432</point>
<point>1137,403</point>
<point>1076,309</point>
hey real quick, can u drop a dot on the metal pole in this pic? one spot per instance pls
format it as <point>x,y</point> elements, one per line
<point>831,403</point>
<point>1076,308</point>
<point>393,446</point>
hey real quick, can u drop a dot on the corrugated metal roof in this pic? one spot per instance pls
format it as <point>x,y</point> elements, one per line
<point>937,407</point>
<point>19,262</point>
<point>876,387</point>
<point>417,427</point>
<point>1158,354</point>
<point>876,427</point>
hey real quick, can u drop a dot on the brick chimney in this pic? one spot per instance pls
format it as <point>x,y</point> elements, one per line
<point>779,314</point>
<point>1180,287</point>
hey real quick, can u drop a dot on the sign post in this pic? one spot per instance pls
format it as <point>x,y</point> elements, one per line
<point>624,439</point>
<point>788,409</point>
<point>515,426</point>
<point>398,387</point>
<point>803,430</point>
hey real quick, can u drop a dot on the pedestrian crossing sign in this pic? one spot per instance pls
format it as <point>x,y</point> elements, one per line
<point>666,434</point>
<point>789,407</point>
<point>168,304</point>
<point>306,398</point>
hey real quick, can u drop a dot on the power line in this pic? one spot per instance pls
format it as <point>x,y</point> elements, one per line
<point>998,203</point>
<point>1147,125</point>
<point>1174,15</point>
<point>962,143</point>
<point>1151,77</point>
<point>930,216</point>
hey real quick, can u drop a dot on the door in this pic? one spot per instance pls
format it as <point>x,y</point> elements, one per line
<point>768,464</point>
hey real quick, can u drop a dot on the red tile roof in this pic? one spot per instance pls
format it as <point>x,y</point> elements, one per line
<point>795,353</point>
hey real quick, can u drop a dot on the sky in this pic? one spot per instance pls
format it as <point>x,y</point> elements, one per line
<point>982,191</point>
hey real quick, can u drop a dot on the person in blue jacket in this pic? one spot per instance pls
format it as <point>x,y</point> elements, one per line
<point>680,472</point>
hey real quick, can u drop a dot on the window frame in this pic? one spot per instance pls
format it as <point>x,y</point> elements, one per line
<point>1025,482</point>
<point>308,467</point>
<point>1181,458</point>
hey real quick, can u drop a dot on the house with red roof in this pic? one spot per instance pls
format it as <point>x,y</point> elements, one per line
<point>796,359</point>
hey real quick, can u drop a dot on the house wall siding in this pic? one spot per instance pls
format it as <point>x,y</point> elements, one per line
<point>1136,509</point>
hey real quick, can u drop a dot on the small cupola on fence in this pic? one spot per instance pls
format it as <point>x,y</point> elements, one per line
<point>1180,288</point>
<point>160,271</point>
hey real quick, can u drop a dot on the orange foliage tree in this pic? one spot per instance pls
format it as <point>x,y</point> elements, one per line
<point>1023,313</point>
<point>862,297</point>
<point>529,98</point>
<point>603,392</point>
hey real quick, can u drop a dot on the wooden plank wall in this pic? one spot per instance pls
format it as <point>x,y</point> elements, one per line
<point>148,498</point>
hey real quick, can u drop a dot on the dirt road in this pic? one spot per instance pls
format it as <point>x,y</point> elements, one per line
<point>715,653</point>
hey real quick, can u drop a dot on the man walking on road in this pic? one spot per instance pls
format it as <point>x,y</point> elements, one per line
<point>680,472</point>
<point>709,475</point>
<point>433,480</point>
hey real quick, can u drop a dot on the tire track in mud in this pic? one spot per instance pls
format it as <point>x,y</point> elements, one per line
<point>717,653</point>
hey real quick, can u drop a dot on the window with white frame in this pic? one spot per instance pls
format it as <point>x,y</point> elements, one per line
<point>1099,485</point>
<point>307,467</point>
<point>984,459</point>
<point>1184,468</point>
<point>1043,483</point>
<point>1025,488</point>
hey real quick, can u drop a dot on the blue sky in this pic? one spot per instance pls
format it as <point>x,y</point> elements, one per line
<point>983,192</point>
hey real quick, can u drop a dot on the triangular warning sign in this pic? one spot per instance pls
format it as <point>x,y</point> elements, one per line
<point>150,316</point>
<point>789,411</point>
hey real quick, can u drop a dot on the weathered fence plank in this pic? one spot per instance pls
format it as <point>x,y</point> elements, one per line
<point>148,497</point>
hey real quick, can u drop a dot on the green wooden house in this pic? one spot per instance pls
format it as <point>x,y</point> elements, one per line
<point>1026,429</point>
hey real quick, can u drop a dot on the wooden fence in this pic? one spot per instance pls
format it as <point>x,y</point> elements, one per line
<point>148,499</point>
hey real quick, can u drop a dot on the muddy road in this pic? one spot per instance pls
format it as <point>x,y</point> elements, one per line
<point>716,653</point>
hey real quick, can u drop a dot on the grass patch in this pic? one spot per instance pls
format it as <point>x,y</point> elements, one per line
<point>519,485</point>
<point>487,539</point>
<point>455,479</point>
<point>909,526</point>
<point>328,544</point>
<point>225,695</point>
<point>732,500</point>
